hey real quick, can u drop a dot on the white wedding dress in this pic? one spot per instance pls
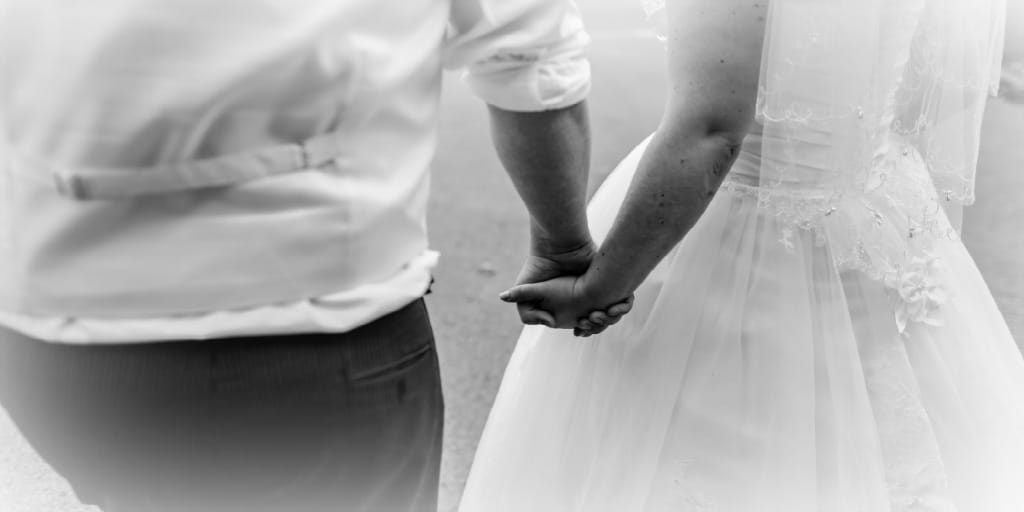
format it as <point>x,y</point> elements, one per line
<point>821,341</point>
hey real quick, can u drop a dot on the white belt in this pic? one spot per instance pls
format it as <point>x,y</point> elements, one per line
<point>127,182</point>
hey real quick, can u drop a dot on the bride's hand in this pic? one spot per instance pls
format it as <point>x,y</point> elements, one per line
<point>599,320</point>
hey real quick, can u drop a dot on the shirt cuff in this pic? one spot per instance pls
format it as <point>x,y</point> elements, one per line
<point>523,82</point>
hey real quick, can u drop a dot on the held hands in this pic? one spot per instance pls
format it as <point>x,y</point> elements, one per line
<point>551,291</point>
<point>564,303</point>
<point>548,262</point>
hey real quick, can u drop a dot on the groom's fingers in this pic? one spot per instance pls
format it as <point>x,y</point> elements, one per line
<point>522,293</point>
<point>532,315</point>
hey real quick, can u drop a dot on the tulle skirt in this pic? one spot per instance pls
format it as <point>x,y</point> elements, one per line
<point>754,375</point>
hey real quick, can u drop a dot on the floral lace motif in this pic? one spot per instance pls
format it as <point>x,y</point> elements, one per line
<point>887,228</point>
<point>870,167</point>
<point>918,293</point>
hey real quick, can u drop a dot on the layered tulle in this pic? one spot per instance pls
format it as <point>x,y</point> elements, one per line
<point>754,375</point>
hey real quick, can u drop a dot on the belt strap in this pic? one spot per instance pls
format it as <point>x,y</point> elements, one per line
<point>123,183</point>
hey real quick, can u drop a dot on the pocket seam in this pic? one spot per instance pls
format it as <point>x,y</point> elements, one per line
<point>402,364</point>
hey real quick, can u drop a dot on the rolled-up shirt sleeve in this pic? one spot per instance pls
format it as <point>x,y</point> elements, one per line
<point>520,55</point>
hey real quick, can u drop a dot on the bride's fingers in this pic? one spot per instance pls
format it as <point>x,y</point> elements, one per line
<point>584,333</point>
<point>584,327</point>
<point>621,308</point>
<point>613,318</point>
<point>600,318</point>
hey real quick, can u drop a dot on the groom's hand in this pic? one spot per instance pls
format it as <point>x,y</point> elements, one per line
<point>556,302</point>
<point>567,304</point>
<point>548,261</point>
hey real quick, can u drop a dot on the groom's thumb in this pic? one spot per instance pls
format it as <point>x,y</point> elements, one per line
<point>521,293</point>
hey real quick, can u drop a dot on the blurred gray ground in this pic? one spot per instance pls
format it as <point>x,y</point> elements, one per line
<point>480,227</point>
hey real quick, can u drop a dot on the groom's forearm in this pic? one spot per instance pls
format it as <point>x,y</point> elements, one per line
<point>547,156</point>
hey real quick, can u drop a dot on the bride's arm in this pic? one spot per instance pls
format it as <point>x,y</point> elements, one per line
<point>714,55</point>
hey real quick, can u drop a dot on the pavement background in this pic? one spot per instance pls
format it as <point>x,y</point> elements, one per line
<point>479,226</point>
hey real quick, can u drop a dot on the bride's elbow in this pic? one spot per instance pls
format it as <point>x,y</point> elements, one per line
<point>728,118</point>
<point>717,129</point>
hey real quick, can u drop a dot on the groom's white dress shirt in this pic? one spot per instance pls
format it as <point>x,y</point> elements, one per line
<point>211,168</point>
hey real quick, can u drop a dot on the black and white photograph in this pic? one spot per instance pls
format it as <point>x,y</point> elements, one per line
<point>512,256</point>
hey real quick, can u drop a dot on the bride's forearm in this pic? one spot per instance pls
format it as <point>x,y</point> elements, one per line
<point>674,183</point>
<point>714,55</point>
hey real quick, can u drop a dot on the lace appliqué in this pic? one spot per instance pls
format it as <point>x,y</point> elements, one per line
<point>886,227</point>
<point>917,292</point>
<point>870,136</point>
